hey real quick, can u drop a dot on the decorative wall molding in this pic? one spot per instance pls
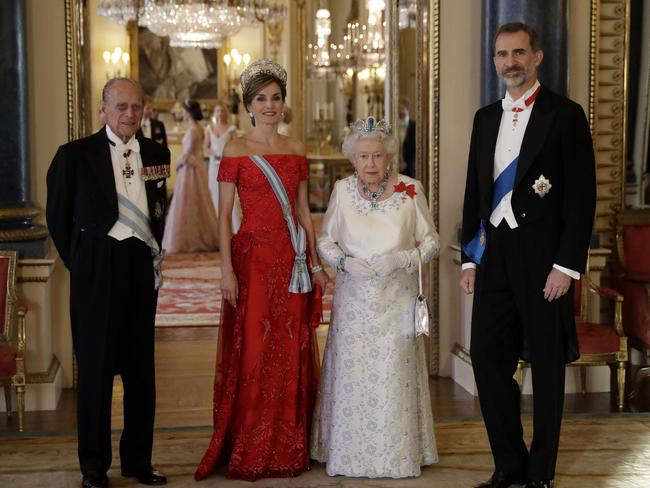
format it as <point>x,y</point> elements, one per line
<point>608,108</point>
<point>45,376</point>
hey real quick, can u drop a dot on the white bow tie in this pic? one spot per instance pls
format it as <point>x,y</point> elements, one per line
<point>132,146</point>
<point>509,105</point>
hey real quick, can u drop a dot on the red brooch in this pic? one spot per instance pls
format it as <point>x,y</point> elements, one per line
<point>409,189</point>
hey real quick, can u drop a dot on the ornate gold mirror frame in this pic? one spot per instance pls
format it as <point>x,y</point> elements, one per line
<point>610,21</point>
<point>77,50</point>
<point>427,147</point>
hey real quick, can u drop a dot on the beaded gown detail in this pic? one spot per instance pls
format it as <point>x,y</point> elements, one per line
<point>191,222</point>
<point>267,369</point>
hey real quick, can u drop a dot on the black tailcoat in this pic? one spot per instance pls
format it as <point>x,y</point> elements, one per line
<point>408,149</point>
<point>158,132</point>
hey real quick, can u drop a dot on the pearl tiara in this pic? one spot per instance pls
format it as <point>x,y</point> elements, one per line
<point>370,125</point>
<point>263,66</point>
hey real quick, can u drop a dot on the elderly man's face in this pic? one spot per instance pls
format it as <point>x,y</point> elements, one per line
<point>370,160</point>
<point>122,110</point>
<point>514,59</point>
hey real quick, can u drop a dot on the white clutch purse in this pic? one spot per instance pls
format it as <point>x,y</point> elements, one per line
<point>421,307</point>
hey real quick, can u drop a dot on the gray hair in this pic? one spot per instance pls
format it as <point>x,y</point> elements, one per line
<point>350,143</point>
<point>108,87</point>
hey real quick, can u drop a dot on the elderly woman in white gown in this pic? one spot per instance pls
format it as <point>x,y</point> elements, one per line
<point>373,414</point>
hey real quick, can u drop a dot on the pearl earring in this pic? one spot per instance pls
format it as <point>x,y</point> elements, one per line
<point>250,114</point>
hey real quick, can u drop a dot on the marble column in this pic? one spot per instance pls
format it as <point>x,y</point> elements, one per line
<point>16,210</point>
<point>549,18</point>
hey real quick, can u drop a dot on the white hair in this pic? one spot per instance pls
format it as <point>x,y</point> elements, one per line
<point>352,140</point>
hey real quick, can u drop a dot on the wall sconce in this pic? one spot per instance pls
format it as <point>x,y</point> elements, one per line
<point>372,81</point>
<point>235,63</point>
<point>116,63</point>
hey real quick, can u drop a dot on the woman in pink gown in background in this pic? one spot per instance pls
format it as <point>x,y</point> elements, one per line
<point>191,222</point>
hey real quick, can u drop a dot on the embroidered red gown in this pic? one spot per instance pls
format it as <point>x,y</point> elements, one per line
<point>267,368</point>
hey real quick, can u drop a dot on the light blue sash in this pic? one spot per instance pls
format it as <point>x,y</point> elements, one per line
<point>131,216</point>
<point>503,185</point>
<point>300,281</point>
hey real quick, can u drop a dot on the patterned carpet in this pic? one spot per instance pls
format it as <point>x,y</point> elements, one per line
<point>610,452</point>
<point>191,294</point>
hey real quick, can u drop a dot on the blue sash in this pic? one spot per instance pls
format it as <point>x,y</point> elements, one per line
<point>300,281</point>
<point>131,216</point>
<point>503,185</point>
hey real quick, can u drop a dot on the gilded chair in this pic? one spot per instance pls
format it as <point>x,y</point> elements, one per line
<point>12,336</point>
<point>599,343</point>
<point>633,281</point>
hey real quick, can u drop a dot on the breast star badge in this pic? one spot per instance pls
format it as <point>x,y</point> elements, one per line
<point>542,186</point>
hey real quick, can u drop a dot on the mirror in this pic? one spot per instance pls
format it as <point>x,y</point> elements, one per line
<point>345,72</point>
<point>637,157</point>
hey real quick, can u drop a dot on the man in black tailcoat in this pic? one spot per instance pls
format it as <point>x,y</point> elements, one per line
<point>527,220</point>
<point>106,200</point>
<point>151,127</point>
<point>406,130</point>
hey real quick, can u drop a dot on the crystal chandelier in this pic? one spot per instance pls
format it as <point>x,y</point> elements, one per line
<point>120,11</point>
<point>256,11</point>
<point>198,23</point>
<point>193,23</point>
<point>364,45</point>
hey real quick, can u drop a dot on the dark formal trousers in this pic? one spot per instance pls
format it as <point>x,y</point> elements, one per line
<point>112,307</point>
<point>511,319</point>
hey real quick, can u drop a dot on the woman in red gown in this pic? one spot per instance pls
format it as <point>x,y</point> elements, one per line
<point>267,369</point>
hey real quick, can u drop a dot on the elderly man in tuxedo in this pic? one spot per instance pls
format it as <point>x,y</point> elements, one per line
<point>527,220</point>
<point>152,128</point>
<point>106,202</point>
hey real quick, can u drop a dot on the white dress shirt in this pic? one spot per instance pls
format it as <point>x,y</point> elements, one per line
<point>132,188</point>
<point>145,125</point>
<point>511,134</point>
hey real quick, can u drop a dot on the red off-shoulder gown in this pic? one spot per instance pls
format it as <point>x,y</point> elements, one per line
<point>267,368</point>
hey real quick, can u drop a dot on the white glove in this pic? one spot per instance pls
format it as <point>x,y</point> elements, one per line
<point>386,264</point>
<point>358,268</point>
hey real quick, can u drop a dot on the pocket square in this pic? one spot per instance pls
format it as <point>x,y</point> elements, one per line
<point>160,184</point>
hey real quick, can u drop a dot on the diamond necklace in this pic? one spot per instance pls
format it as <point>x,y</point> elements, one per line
<point>374,195</point>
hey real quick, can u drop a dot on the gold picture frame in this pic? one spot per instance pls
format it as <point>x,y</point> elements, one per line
<point>158,51</point>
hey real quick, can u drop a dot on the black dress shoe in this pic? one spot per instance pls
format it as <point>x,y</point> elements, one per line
<point>94,481</point>
<point>503,480</point>
<point>540,484</point>
<point>147,477</point>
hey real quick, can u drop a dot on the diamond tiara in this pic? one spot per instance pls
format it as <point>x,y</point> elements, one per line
<point>262,66</point>
<point>370,125</point>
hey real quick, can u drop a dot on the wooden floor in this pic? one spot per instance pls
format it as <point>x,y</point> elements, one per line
<point>185,360</point>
